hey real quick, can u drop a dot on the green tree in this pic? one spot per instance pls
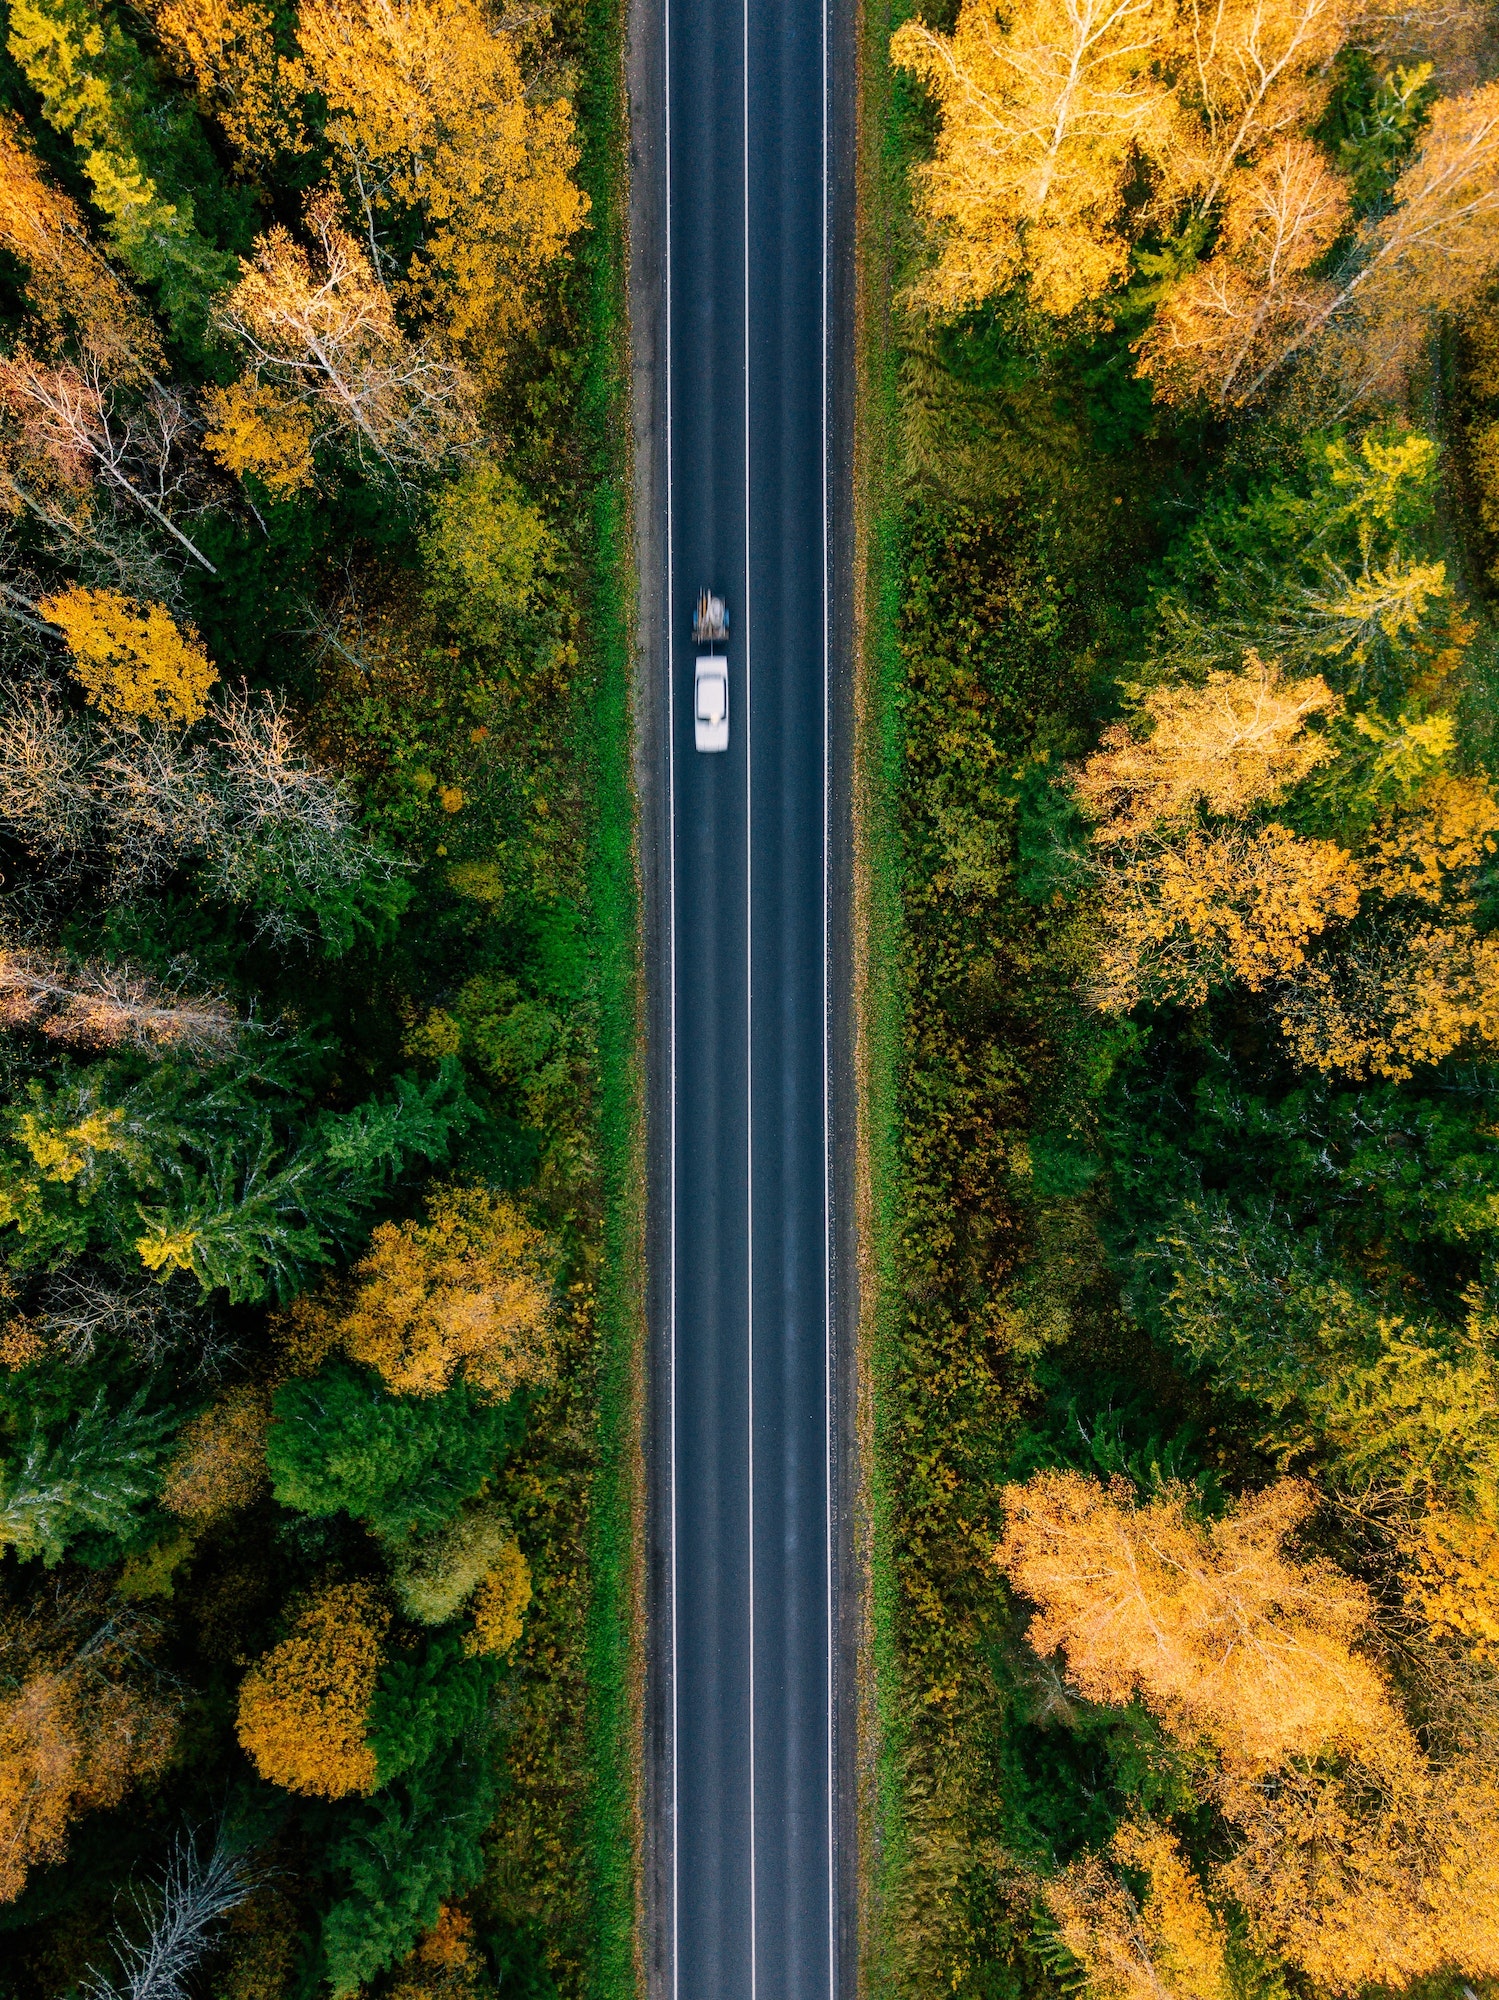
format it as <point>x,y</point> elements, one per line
<point>177,1168</point>
<point>94,1474</point>
<point>402,1853</point>
<point>341,1443</point>
<point>141,151</point>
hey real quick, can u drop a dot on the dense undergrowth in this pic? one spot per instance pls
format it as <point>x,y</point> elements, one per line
<point>317,946</point>
<point>1176,1194</point>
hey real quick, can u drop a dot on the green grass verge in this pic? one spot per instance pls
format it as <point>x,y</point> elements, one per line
<point>614,1540</point>
<point>881,177</point>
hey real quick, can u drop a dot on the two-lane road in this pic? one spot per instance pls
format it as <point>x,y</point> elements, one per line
<point>753,1881</point>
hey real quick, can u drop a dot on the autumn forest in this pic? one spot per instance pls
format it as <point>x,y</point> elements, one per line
<point>1186,819</point>
<point>1178,912</point>
<point>306,950</point>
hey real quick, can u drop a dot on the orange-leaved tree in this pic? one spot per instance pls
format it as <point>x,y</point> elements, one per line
<point>219,1465</point>
<point>465,1293</point>
<point>304,1708</point>
<point>97,1005</point>
<point>83,1717</point>
<point>1209,1622</point>
<point>73,292</point>
<point>1167,1946</point>
<point>1237,321</point>
<point>132,664</point>
<point>1375,1870</point>
<point>432,112</point>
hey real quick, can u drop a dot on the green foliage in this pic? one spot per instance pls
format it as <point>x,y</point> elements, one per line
<point>426,1700</point>
<point>482,551</point>
<point>174,1168</point>
<point>341,1443</point>
<point>1328,572</point>
<point>142,152</point>
<point>1373,121</point>
<point>401,1855</point>
<point>91,1476</point>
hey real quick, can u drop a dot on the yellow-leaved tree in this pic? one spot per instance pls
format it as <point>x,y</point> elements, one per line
<point>304,1707</point>
<point>1235,742</point>
<point>1216,1630</point>
<point>228,49</point>
<point>1358,1857</point>
<point>320,331</point>
<point>1042,112</point>
<point>259,428</point>
<point>465,1293</point>
<point>134,665</point>
<point>1168,1946</point>
<point>431,110</point>
<point>1216,908</point>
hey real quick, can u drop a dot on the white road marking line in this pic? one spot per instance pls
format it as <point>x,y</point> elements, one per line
<point>749,1015</point>
<point>827,1140</point>
<point>671,1053</point>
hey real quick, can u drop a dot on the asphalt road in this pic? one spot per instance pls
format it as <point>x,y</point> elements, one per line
<point>753,1875</point>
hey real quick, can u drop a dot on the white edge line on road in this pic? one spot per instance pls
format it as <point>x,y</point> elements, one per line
<point>749,1013</point>
<point>671,1032</point>
<point>827,1141</point>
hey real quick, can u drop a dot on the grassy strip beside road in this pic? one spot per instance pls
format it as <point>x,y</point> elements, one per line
<point>616,1609</point>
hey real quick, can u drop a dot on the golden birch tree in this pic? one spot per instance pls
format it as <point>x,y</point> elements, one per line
<point>1236,742</point>
<point>1219,1632</point>
<point>1041,116</point>
<point>1170,1946</point>
<point>431,111</point>
<point>320,330</point>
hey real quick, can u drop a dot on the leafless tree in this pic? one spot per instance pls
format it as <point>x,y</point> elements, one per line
<point>179,1913</point>
<point>97,1005</point>
<point>82,425</point>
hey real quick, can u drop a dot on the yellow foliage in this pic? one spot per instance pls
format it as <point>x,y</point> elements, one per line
<point>219,1466</point>
<point>70,287</point>
<point>304,1708</point>
<point>1450,829</point>
<point>1208,1622</point>
<point>482,551</point>
<point>75,1733</point>
<point>446,1965</point>
<point>254,427</point>
<point>465,1293</point>
<point>321,332</point>
<point>65,1152</point>
<point>132,666</point>
<point>1225,320</point>
<point>1041,114</point>
<point>1170,1947</point>
<point>1451,1577</point>
<point>499,1605</point>
<point>1483,456</point>
<point>430,101</point>
<point>1379,1871</point>
<point>228,48</point>
<point>1242,905</point>
<point>1238,741</point>
<point>1387,1007</point>
<point>436,1576</point>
